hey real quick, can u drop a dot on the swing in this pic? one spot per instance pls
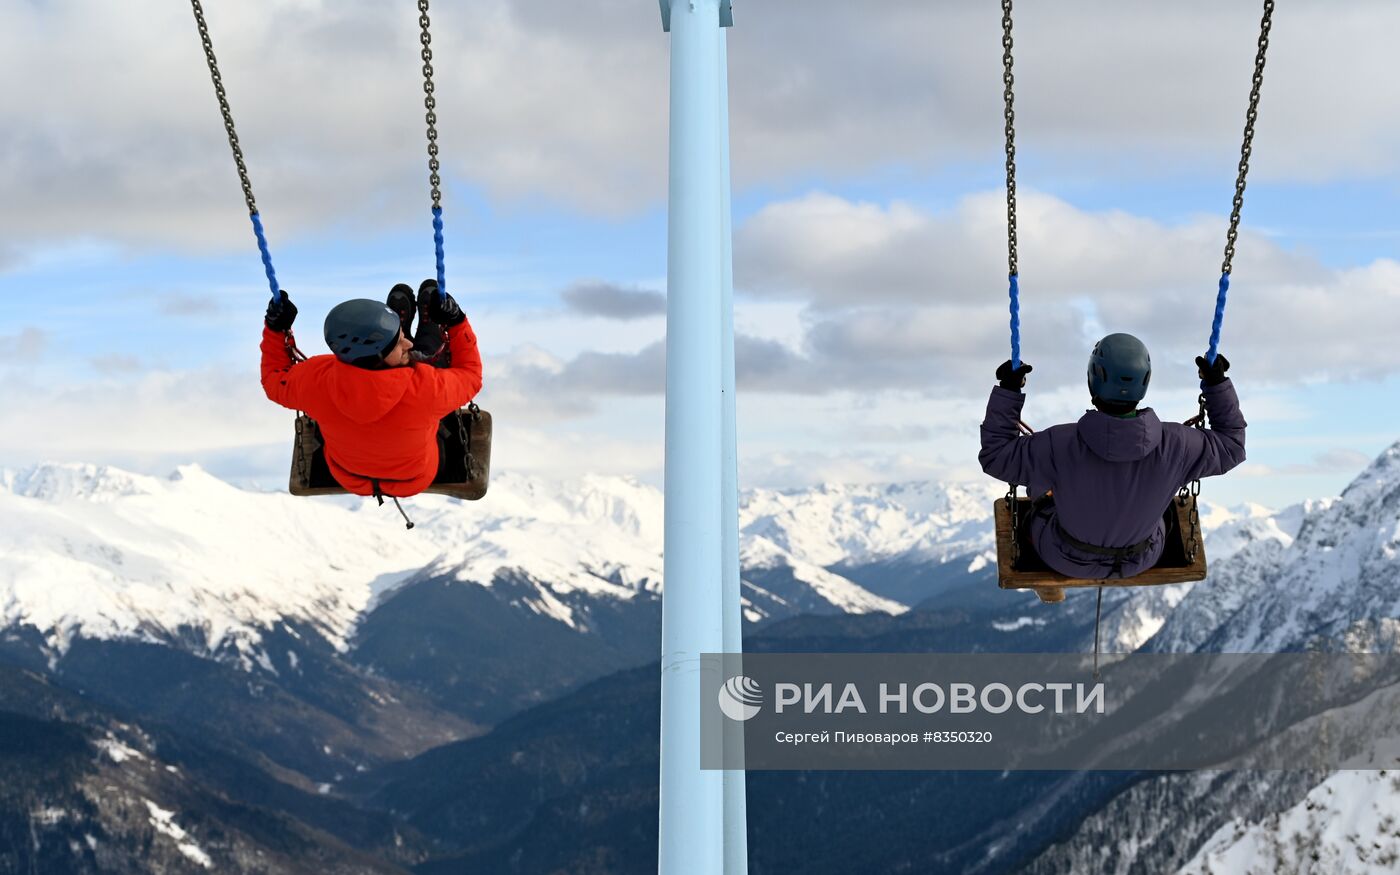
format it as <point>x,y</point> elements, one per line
<point>465,438</point>
<point>1183,557</point>
<point>465,435</point>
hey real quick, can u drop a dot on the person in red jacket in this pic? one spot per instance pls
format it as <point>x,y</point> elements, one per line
<point>380,397</point>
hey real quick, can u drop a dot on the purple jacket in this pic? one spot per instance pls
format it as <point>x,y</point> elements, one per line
<point>1112,477</point>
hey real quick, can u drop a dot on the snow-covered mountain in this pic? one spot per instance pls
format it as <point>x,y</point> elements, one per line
<point>1346,824</point>
<point>103,553</point>
<point>558,573</point>
<point>1322,575</point>
<point>1242,543</point>
<point>831,525</point>
<point>1337,581</point>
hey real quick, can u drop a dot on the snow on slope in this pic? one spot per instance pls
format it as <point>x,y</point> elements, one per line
<point>1236,538</point>
<point>600,537</point>
<point>832,524</point>
<point>96,551</point>
<point>1347,825</point>
<point>105,553</point>
<point>1338,580</point>
<point>92,550</point>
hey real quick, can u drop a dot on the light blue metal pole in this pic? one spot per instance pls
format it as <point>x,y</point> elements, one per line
<point>736,836</point>
<point>692,835</point>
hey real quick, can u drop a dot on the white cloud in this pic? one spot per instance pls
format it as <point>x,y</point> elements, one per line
<point>1338,460</point>
<point>116,135</point>
<point>900,296</point>
<point>135,414</point>
<point>28,343</point>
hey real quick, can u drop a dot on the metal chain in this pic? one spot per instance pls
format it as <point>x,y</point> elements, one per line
<point>430,103</point>
<point>1250,117</point>
<point>223,106</point>
<point>1012,508</point>
<point>1191,491</point>
<point>1008,81</point>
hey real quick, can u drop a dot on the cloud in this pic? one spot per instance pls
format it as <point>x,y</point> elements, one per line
<point>175,304</point>
<point>1339,460</point>
<point>567,103</point>
<point>137,414</point>
<point>614,302</point>
<point>28,343</point>
<point>836,252</point>
<point>538,387</point>
<point>152,420</point>
<point>875,351</point>
<point>116,363</point>
<point>901,295</point>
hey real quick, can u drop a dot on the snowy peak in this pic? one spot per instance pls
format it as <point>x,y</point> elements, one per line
<point>832,524</point>
<point>58,482</point>
<point>1230,529</point>
<point>614,503</point>
<point>1346,824</point>
<point>1381,478</point>
<point>1334,583</point>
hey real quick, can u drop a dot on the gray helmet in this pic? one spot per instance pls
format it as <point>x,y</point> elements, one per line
<point>361,328</point>
<point>1119,369</point>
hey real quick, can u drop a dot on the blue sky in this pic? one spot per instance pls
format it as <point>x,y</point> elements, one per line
<point>864,202</point>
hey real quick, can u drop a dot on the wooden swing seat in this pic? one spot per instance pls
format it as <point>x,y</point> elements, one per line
<point>466,434</point>
<point>1029,572</point>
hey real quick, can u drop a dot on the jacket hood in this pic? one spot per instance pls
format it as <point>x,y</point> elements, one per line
<point>1121,440</point>
<point>366,396</point>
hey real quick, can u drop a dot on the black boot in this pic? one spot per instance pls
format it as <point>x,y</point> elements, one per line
<point>400,300</point>
<point>430,344</point>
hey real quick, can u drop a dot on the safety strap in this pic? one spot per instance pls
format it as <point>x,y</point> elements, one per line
<point>1098,615</point>
<point>378,492</point>
<point>1119,552</point>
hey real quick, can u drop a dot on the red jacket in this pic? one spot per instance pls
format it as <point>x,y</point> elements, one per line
<point>380,424</point>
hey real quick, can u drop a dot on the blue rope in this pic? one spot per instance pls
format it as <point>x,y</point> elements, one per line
<point>1015,323</point>
<point>437,246</point>
<point>1219,318</point>
<point>266,255</point>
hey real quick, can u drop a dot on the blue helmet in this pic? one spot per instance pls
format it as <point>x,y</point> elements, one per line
<point>361,328</point>
<point>1119,369</point>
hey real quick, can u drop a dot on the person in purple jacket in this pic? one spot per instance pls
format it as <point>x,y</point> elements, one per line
<point>1115,471</point>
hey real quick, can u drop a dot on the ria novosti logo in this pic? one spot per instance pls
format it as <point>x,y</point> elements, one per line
<point>740,698</point>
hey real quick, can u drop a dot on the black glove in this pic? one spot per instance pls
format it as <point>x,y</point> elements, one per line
<point>1013,379</point>
<point>1212,375</point>
<point>281,313</point>
<point>441,308</point>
